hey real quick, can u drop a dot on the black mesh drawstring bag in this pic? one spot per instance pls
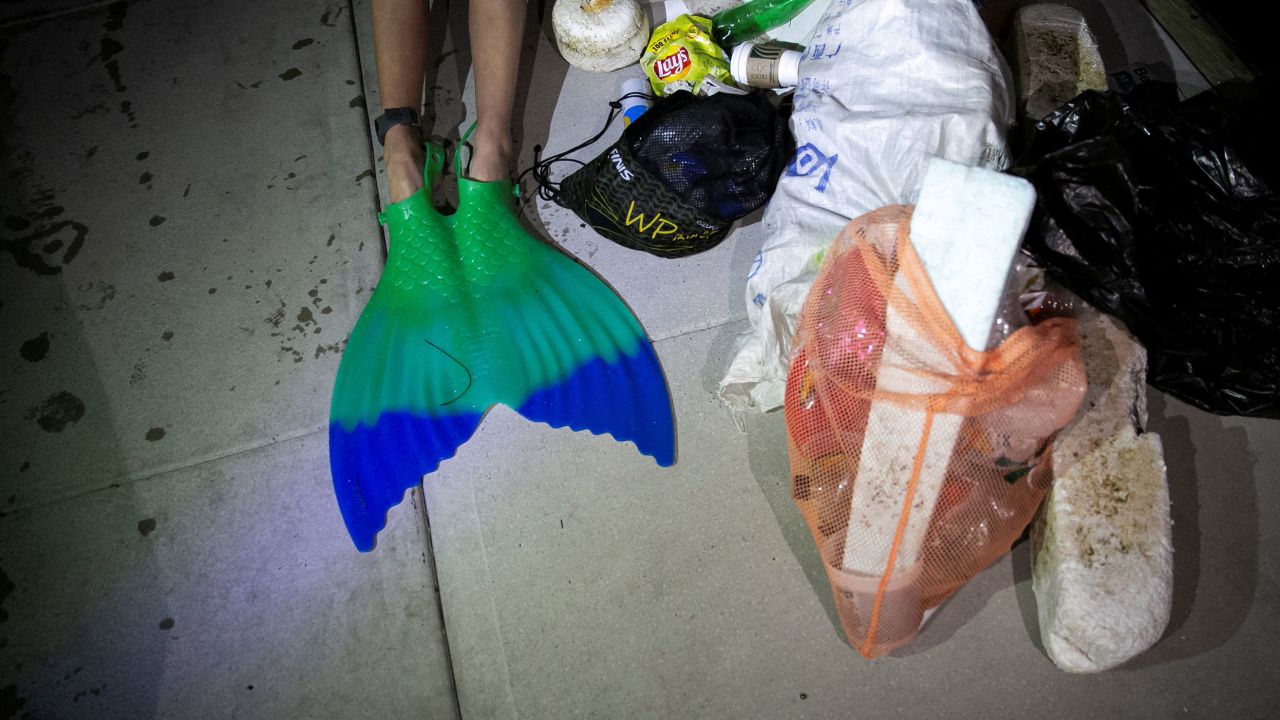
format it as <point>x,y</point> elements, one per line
<point>681,174</point>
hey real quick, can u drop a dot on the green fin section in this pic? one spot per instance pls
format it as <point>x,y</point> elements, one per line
<point>471,310</point>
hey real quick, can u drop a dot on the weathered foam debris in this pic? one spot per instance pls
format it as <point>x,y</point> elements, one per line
<point>1103,556</point>
<point>1056,56</point>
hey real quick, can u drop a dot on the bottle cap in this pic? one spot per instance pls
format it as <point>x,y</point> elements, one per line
<point>789,69</point>
<point>738,63</point>
<point>635,85</point>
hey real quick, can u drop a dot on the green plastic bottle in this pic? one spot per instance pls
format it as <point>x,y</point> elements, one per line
<point>739,24</point>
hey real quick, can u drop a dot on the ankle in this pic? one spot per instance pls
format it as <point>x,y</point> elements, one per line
<point>492,157</point>
<point>494,136</point>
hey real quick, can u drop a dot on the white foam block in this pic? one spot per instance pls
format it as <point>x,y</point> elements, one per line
<point>1102,544</point>
<point>966,229</point>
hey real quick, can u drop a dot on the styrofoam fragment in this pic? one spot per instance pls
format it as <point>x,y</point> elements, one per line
<point>1056,57</point>
<point>966,229</point>
<point>1103,555</point>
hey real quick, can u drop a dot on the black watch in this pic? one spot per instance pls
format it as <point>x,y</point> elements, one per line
<point>393,117</point>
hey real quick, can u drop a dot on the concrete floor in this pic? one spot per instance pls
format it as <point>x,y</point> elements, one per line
<point>188,201</point>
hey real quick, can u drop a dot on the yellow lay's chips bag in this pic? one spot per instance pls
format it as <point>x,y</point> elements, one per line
<point>681,55</point>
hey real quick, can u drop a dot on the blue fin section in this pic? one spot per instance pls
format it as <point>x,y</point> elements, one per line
<point>373,466</point>
<point>627,399</point>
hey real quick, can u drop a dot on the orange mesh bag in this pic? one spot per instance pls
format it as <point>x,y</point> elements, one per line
<point>915,460</point>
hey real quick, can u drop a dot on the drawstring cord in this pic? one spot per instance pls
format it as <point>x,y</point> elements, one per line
<point>548,189</point>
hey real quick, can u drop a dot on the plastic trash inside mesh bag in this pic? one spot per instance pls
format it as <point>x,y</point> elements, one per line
<point>967,434</point>
<point>1158,213</point>
<point>884,86</point>
<point>682,173</point>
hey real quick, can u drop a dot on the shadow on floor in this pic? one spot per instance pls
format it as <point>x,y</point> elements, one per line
<point>1213,494</point>
<point>84,630</point>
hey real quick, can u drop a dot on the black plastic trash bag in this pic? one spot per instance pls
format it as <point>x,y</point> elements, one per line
<point>1159,213</point>
<point>682,173</point>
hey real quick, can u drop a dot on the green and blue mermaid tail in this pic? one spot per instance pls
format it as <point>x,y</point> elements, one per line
<point>472,311</point>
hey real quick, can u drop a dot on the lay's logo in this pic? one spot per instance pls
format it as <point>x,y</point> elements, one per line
<point>673,66</point>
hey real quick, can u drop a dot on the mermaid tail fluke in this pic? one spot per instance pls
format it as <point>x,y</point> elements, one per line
<point>472,311</point>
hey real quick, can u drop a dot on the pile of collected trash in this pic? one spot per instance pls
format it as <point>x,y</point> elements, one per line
<point>700,149</point>
<point>969,273</point>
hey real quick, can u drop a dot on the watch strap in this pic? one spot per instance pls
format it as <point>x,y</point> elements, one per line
<point>392,117</point>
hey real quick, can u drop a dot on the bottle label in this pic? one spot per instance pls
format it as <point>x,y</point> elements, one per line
<point>763,63</point>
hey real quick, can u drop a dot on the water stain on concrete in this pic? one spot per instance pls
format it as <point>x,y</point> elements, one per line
<point>277,317</point>
<point>98,293</point>
<point>98,108</point>
<point>6,588</point>
<point>335,348</point>
<point>26,249</point>
<point>36,348</point>
<point>113,72</point>
<point>126,109</point>
<point>116,13</point>
<point>57,412</point>
<point>109,48</point>
<point>10,701</point>
<point>84,693</point>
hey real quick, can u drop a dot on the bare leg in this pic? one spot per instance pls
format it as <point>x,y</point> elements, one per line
<point>497,27</point>
<point>400,48</point>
